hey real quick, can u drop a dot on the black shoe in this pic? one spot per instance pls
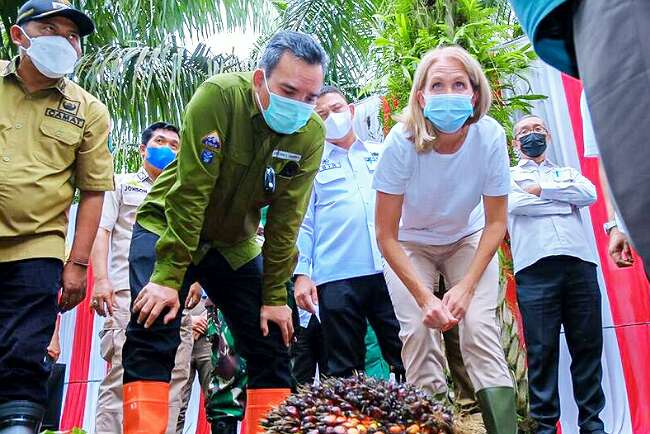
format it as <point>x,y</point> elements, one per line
<point>225,426</point>
<point>20,417</point>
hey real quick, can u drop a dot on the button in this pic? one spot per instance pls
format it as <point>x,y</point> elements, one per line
<point>19,126</point>
<point>6,159</point>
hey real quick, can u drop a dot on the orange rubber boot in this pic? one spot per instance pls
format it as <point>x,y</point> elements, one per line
<point>258,403</point>
<point>146,407</point>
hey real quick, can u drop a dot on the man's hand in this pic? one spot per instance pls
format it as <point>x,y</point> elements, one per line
<point>306,294</point>
<point>102,298</point>
<point>152,300</point>
<point>619,249</point>
<point>54,349</point>
<point>74,286</point>
<point>457,299</point>
<point>437,316</point>
<point>533,189</point>
<point>199,325</point>
<point>194,296</point>
<point>281,315</point>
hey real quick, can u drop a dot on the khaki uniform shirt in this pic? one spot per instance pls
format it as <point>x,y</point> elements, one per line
<point>212,194</point>
<point>51,142</point>
<point>118,217</point>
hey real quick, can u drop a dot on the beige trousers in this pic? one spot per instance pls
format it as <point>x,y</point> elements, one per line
<point>113,335</point>
<point>422,351</point>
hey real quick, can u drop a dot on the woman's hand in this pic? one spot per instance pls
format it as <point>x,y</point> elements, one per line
<point>437,315</point>
<point>458,298</point>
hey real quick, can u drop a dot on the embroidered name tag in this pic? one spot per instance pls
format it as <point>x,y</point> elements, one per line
<point>328,165</point>
<point>285,155</point>
<point>65,117</point>
<point>128,188</point>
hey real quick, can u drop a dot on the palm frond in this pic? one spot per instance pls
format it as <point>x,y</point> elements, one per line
<point>141,84</point>
<point>8,11</point>
<point>152,21</point>
<point>346,30</point>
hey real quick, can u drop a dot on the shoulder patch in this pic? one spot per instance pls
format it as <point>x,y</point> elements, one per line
<point>207,156</point>
<point>212,141</point>
<point>69,106</point>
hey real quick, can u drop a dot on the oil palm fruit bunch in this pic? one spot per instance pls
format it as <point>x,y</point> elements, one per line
<point>359,405</point>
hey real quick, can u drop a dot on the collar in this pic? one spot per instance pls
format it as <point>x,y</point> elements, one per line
<point>254,109</point>
<point>331,147</point>
<point>524,162</point>
<point>12,69</point>
<point>142,175</point>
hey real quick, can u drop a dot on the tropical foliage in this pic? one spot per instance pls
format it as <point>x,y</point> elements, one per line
<point>410,28</point>
<point>136,62</point>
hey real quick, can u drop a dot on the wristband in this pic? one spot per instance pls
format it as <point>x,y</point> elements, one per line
<point>79,262</point>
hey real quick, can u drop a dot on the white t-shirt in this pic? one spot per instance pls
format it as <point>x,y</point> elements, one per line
<point>443,192</point>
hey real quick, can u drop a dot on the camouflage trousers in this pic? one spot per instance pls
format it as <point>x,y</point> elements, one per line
<point>226,397</point>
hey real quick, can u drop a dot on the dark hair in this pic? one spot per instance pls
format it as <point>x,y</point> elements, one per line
<point>301,45</point>
<point>146,134</point>
<point>331,89</point>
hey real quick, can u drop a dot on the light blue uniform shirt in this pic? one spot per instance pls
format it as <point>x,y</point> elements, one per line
<point>337,237</point>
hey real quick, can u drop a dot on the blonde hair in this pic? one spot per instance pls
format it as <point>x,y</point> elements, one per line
<point>420,130</point>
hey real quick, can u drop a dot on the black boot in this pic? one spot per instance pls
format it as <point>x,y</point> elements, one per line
<point>227,425</point>
<point>21,417</point>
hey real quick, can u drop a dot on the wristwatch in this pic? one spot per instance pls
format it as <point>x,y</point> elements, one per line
<point>607,227</point>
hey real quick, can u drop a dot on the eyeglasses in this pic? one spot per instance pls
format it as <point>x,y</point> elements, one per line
<point>536,129</point>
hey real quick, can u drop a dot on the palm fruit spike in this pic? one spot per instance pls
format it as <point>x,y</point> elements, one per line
<point>359,405</point>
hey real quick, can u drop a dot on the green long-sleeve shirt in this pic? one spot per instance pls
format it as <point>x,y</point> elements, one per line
<point>212,194</point>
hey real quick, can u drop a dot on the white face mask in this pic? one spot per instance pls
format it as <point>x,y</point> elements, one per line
<point>337,125</point>
<point>53,56</point>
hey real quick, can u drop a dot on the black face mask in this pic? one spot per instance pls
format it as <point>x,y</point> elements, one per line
<point>533,144</point>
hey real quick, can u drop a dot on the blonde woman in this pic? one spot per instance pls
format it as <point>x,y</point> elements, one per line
<point>444,173</point>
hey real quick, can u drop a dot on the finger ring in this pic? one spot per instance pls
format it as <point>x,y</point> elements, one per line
<point>95,302</point>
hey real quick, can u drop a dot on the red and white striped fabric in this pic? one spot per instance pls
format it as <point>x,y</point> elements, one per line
<point>85,369</point>
<point>626,295</point>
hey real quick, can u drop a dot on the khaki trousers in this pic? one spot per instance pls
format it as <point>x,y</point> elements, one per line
<point>113,335</point>
<point>201,364</point>
<point>422,352</point>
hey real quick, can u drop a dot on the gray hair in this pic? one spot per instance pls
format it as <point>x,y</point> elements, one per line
<point>301,45</point>
<point>523,118</point>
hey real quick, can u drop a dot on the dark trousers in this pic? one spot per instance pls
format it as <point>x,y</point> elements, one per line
<point>308,352</point>
<point>562,291</point>
<point>28,309</point>
<point>345,305</point>
<point>612,45</point>
<point>148,354</point>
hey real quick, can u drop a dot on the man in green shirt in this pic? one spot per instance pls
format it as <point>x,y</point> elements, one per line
<point>249,140</point>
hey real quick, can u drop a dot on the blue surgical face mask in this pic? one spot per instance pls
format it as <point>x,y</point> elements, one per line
<point>285,115</point>
<point>448,112</point>
<point>160,156</point>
